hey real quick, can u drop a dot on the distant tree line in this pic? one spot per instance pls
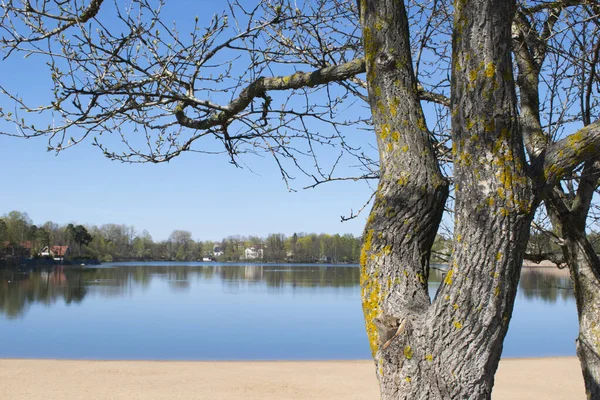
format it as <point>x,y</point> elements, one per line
<point>19,236</point>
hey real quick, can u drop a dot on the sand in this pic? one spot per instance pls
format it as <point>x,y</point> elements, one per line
<point>545,378</point>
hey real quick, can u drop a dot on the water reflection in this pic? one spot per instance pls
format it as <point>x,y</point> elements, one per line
<point>232,312</point>
<point>19,289</point>
<point>550,286</point>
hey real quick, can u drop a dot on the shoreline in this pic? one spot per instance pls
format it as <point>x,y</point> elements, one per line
<point>249,361</point>
<point>551,378</point>
<point>547,268</point>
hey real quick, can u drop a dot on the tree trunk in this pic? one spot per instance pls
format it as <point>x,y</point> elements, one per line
<point>450,348</point>
<point>585,273</point>
<point>568,213</point>
<point>584,267</point>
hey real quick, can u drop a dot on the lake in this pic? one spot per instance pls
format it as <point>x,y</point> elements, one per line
<point>212,311</point>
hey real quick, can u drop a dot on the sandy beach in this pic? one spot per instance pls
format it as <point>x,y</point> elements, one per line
<point>545,378</point>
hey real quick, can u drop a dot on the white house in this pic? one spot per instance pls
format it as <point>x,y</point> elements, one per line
<point>217,251</point>
<point>253,253</point>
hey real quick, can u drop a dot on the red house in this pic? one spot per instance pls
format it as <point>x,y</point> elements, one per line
<point>58,253</point>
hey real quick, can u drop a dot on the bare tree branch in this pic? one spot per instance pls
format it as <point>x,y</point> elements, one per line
<point>260,87</point>
<point>564,156</point>
<point>555,258</point>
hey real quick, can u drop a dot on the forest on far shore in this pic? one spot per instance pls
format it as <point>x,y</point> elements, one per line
<point>118,242</point>
<point>21,238</point>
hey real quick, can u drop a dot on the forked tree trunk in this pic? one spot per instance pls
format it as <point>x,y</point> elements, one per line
<point>449,348</point>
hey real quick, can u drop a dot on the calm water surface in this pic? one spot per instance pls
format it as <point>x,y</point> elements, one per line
<point>210,311</point>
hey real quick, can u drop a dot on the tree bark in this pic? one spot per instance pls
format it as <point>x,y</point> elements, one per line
<point>567,213</point>
<point>585,273</point>
<point>493,208</point>
<point>450,348</point>
<point>584,267</point>
<point>412,191</point>
<point>409,204</point>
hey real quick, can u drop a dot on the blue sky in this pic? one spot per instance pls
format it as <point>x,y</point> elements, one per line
<point>203,194</point>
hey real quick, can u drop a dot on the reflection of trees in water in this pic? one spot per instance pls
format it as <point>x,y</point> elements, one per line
<point>534,284</point>
<point>18,289</point>
<point>317,276</point>
<point>278,276</point>
<point>545,286</point>
<point>140,276</point>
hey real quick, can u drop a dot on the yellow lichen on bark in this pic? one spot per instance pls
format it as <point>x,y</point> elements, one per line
<point>394,107</point>
<point>497,291</point>
<point>403,180</point>
<point>472,75</point>
<point>408,353</point>
<point>371,298</point>
<point>370,293</point>
<point>448,278</point>
<point>490,70</point>
<point>366,248</point>
<point>384,131</point>
<point>370,48</point>
<point>575,139</point>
